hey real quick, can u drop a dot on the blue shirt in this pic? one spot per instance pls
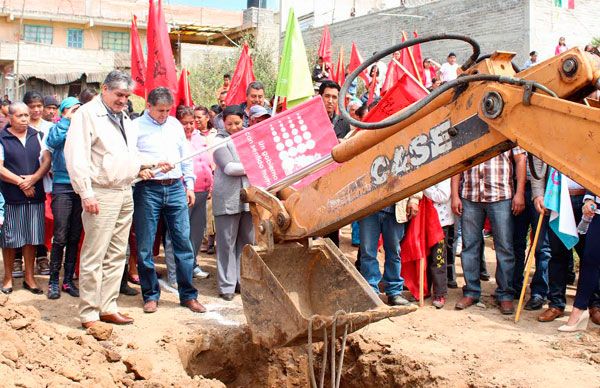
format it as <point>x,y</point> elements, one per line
<point>165,142</point>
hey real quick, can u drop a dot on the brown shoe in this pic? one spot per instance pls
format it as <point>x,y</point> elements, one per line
<point>595,315</point>
<point>150,306</point>
<point>194,305</point>
<point>116,319</point>
<point>464,302</point>
<point>506,307</point>
<point>551,314</point>
<point>88,324</point>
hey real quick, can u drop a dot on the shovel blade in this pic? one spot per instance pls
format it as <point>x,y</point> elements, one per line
<point>284,290</point>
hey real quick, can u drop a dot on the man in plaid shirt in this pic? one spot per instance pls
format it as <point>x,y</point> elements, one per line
<point>487,190</point>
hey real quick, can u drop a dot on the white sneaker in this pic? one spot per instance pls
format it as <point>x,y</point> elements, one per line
<point>199,273</point>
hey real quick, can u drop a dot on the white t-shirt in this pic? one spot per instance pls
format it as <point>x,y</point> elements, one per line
<point>448,72</point>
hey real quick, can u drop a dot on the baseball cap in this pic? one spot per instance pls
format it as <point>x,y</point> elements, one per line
<point>68,103</point>
<point>258,111</point>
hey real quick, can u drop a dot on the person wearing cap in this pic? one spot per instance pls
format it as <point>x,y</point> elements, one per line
<point>66,206</point>
<point>449,70</point>
<point>50,109</point>
<point>257,114</point>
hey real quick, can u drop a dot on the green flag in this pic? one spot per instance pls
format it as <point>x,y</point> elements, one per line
<point>294,81</point>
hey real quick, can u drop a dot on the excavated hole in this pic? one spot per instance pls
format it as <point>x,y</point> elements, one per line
<point>228,354</point>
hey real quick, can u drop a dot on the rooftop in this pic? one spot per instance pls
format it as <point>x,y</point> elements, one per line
<point>117,12</point>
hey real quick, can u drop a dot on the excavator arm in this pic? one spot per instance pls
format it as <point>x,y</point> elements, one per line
<point>290,280</point>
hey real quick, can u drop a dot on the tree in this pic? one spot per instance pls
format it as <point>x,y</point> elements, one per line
<point>206,76</point>
<point>596,41</point>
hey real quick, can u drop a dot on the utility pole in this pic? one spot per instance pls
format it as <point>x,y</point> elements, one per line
<point>18,59</point>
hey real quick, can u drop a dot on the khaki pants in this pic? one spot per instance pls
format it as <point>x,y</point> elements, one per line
<point>210,219</point>
<point>103,253</point>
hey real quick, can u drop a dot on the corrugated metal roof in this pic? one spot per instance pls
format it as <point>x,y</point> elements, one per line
<point>65,78</point>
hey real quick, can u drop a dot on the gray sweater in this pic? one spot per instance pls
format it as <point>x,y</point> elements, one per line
<point>230,178</point>
<point>538,186</point>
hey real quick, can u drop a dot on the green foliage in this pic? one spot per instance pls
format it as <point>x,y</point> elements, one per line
<point>206,76</point>
<point>596,41</point>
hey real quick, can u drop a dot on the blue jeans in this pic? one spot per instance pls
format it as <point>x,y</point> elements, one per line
<point>371,227</point>
<point>472,221</point>
<point>355,233</point>
<point>151,201</point>
<point>530,217</point>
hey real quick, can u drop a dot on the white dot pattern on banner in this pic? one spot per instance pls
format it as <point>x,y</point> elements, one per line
<point>294,144</point>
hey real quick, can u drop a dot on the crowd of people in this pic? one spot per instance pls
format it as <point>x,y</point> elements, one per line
<point>88,182</point>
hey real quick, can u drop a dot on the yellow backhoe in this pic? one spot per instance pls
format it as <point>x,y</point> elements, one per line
<point>295,284</point>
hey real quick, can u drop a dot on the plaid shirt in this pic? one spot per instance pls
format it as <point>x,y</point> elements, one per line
<point>492,180</point>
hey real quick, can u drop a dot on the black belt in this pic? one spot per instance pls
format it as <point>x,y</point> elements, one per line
<point>160,182</point>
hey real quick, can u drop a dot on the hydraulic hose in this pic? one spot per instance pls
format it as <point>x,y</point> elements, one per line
<point>460,81</point>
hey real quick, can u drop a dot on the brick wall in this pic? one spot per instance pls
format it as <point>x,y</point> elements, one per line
<point>495,24</point>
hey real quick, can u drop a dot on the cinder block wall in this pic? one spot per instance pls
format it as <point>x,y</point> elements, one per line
<point>548,23</point>
<point>495,24</point>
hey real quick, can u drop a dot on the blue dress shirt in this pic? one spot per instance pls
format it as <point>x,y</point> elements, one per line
<point>165,142</point>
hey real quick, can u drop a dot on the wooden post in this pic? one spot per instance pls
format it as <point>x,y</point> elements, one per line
<point>528,264</point>
<point>275,102</point>
<point>412,58</point>
<point>422,282</point>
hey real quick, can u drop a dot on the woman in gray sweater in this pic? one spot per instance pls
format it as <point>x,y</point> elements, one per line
<point>233,221</point>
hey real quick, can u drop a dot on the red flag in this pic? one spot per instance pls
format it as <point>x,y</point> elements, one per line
<point>423,232</point>
<point>138,65</point>
<point>242,77</point>
<point>283,144</point>
<point>161,64</point>
<point>339,75</point>
<point>355,61</point>
<point>404,92</point>
<point>418,56</point>
<point>408,61</point>
<point>184,92</point>
<point>372,87</point>
<point>393,75</point>
<point>325,48</point>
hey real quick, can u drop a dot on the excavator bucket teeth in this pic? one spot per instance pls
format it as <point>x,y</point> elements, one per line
<point>295,285</point>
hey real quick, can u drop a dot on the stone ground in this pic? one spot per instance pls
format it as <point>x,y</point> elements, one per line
<point>477,347</point>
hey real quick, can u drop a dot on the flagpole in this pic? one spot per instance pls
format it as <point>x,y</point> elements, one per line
<point>405,70</point>
<point>422,282</point>
<point>275,101</point>
<point>183,159</point>
<point>528,264</point>
<point>412,58</point>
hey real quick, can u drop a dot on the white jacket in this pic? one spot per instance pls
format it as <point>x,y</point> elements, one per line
<point>96,153</point>
<point>440,196</point>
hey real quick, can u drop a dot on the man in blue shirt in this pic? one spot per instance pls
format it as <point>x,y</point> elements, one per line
<point>161,137</point>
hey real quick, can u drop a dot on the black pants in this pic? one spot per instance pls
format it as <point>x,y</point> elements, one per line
<point>589,269</point>
<point>334,237</point>
<point>436,263</point>
<point>66,208</point>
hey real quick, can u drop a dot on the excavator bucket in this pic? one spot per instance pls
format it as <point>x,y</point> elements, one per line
<point>295,285</point>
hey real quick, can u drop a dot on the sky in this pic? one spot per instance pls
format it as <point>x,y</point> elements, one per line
<point>222,4</point>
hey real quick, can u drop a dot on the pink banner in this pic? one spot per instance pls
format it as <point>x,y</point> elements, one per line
<point>281,145</point>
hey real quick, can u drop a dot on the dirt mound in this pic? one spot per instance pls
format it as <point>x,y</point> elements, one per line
<point>230,356</point>
<point>369,363</point>
<point>34,354</point>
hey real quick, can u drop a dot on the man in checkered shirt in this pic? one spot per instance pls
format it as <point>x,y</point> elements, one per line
<point>488,190</point>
